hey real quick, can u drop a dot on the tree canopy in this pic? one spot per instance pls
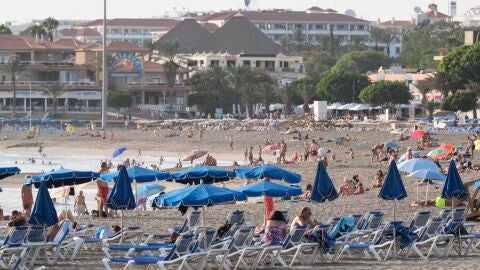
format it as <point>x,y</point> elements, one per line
<point>463,101</point>
<point>5,30</point>
<point>420,46</point>
<point>119,99</point>
<point>462,64</point>
<point>341,86</point>
<point>364,61</point>
<point>386,93</point>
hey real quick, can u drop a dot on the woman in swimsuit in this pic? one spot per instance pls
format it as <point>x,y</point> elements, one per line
<point>102,192</point>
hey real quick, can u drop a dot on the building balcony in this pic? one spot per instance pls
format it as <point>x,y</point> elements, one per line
<point>84,84</point>
<point>159,108</point>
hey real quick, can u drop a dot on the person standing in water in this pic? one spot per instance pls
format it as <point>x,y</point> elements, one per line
<point>27,197</point>
<point>102,192</point>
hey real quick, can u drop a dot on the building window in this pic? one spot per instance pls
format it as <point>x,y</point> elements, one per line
<point>257,64</point>
<point>214,63</point>
<point>246,63</point>
<point>231,63</point>
<point>320,27</point>
<point>341,27</point>
<point>270,65</point>
<point>397,50</point>
<point>360,27</point>
<point>180,100</point>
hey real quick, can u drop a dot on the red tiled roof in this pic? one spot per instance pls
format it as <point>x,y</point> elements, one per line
<point>117,46</point>
<point>431,14</point>
<point>80,32</point>
<point>132,22</point>
<point>282,16</point>
<point>158,68</point>
<point>397,23</point>
<point>12,42</point>
<point>70,42</point>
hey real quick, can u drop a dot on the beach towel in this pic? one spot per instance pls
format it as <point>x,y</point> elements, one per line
<point>344,225</point>
<point>404,235</point>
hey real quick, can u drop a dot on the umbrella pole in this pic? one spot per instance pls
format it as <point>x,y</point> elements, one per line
<point>394,230</point>
<point>417,191</point>
<point>426,196</point>
<point>121,226</point>
<point>65,200</point>
<point>203,215</point>
<point>136,200</point>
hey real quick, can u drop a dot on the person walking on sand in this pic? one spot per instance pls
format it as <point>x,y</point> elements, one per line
<point>250,155</point>
<point>283,151</point>
<point>27,197</point>
<point>102,192</point>
<point>245,154</point>
<point>231,142</point>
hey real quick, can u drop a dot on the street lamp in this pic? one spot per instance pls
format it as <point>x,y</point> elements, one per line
<point>104,67</point>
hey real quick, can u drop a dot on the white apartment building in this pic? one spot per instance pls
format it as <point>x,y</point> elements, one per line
<point>314,22</point>
<point>130,30</point>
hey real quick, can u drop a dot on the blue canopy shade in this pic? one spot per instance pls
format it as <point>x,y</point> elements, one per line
<point>392,188</point>
<point>323,188</point>
<point>63,177</point>
<point>121,197</point>
<point>43,212</point>
<point>139,174</point>
<point>8,171</point>
<point>428,175</point>
<point>271,172</point>
<point>453,186</point>
<point>205,174</point>
<point>148,190</point>
<point>417,164</point>
<point>117,152</point>
<point>198,195</point>
<point>270,189</point>
<point>390,144</point>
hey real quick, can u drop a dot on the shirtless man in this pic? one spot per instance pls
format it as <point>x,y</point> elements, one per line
<point>80,205</point>
<point>376,149</point>
<point>27,198</point>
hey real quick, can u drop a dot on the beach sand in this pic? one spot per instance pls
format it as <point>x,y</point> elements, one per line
<point>216,142</point>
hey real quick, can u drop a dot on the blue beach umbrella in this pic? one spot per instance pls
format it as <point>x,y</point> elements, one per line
<point>63,177</point>
<point>8,171</point>
<point>393,189</point>
<point>139,175</point>
<point>453,186</point>
<point>43,212</point>
<point>198,195</point>
<point>148,190</point>
<point>417,164</point>
<point>271,172</point>
<point>390,144</point>
<point>121,198</point>
<point>117,152</point>
<point>205,174</point>
<point>269,189</point>
<point>323,188</point>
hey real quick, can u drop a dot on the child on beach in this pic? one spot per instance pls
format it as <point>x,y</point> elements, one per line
<point>80,205</point>
<point>351,153</point>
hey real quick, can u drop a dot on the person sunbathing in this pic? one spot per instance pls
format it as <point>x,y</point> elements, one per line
<point>346,189</point>
<point>439,202</point>
<point>359,189</point>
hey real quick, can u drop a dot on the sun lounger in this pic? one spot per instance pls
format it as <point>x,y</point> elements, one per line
<point>432,241</point>
<point>419,220</point>
<point>13,249</point>
<point>239,247</point>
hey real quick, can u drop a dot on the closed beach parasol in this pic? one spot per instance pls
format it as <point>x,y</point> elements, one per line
<point>194,154</point>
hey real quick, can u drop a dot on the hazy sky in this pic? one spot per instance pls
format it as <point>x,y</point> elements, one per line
<point>22,10</point>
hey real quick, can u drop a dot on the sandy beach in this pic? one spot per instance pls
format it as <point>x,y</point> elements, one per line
<point>217,143</point>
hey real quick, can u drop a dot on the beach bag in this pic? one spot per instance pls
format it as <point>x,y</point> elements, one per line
<point>321,237</point>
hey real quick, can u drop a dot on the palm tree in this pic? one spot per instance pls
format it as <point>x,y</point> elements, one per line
<point>5,30</point>
<point>150,46</point>
<point>14,67</point>
<point>299,39</point>
<point>306,90</point>
<point>218,79</point>
<point>51,25</point>
<point>285,43</point>
<point>266,84</point>
<point>55,90</point>
<point>286,94</point>
<point>236,80</point>
<point>168,50</point>
<point>425,87</point>
<point>37,31</point>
